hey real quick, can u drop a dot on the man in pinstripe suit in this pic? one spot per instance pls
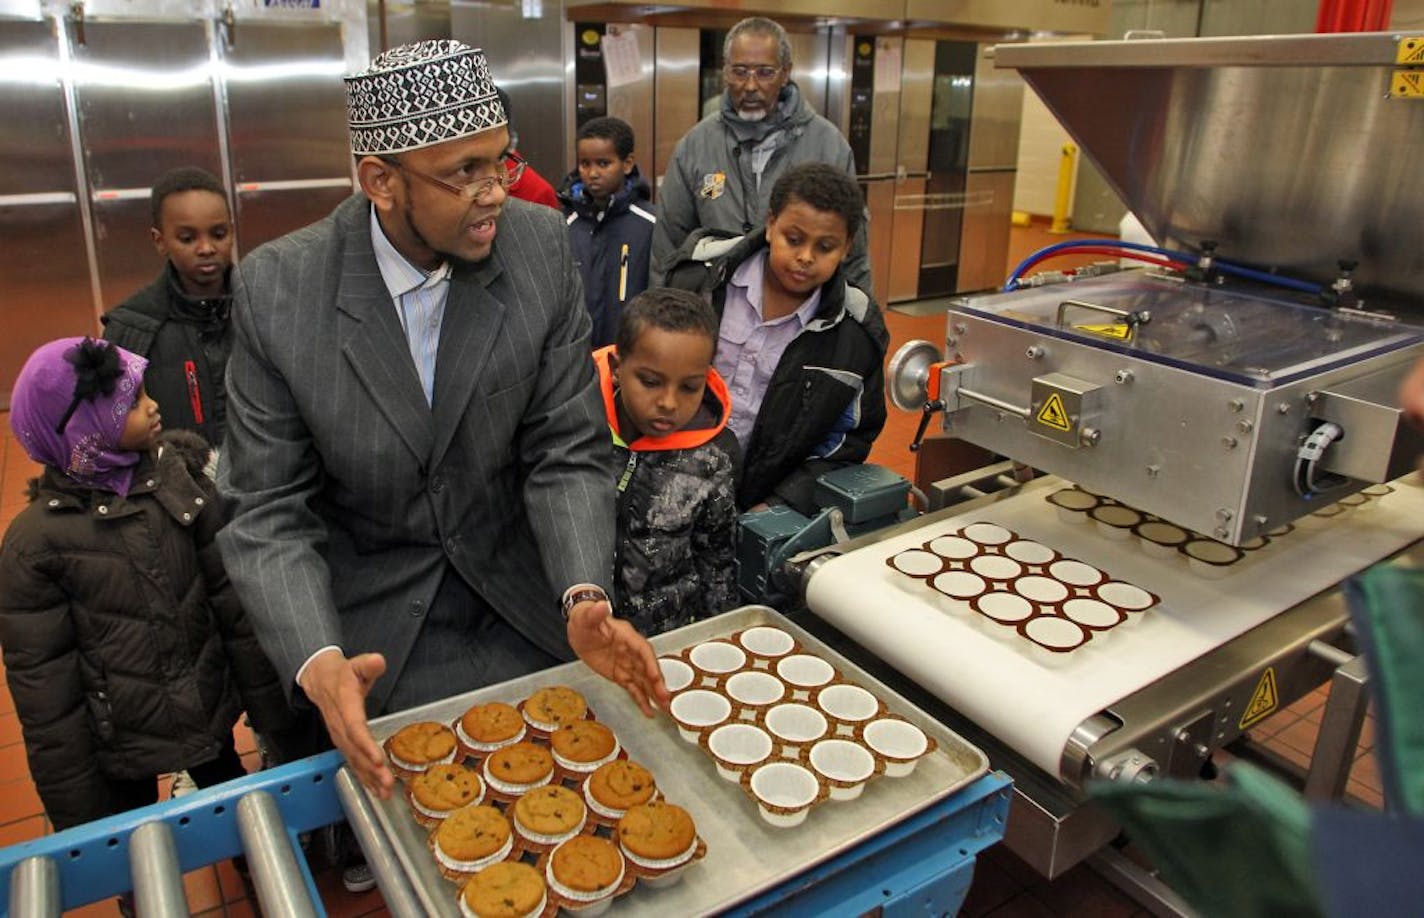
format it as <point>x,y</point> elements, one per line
<point>416,453</point>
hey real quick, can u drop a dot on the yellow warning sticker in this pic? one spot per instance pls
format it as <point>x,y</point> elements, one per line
<point>1407,84</point>
<point>1053,414</point>
<point>1117,330</point>
<point>1263,701</point>
<point>1409,51</point>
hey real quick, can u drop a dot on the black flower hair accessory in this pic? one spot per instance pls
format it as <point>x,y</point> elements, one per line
<point>96,370</point>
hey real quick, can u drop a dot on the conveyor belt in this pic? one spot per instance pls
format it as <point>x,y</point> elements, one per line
<point>1035,708</point>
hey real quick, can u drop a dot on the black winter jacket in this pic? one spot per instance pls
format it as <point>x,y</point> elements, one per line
<point>187,342</point>
<point>124,645</point>
<point>825,404</point>
<point>677,514</point>
<point>599,242</point>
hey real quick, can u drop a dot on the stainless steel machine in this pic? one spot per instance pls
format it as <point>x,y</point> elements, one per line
<point>1218,399</point>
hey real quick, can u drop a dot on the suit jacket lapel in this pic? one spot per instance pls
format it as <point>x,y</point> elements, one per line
<point>375,345</point>
<point>473,317</point>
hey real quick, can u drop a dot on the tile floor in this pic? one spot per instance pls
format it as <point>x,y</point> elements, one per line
<point>1004,886</point>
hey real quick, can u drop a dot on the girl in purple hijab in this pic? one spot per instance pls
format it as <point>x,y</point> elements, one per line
<point>71,408</point>
<point>126,650</point>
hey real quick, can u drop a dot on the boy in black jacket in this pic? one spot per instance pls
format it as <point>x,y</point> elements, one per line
<point>801,348</point>
<point>667,410</point>
<point>610,224</point>
<point>180,321</point>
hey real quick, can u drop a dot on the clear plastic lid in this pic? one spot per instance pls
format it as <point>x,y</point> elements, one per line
<point>1239,336</point>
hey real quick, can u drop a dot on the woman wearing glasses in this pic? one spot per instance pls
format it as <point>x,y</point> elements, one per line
<point>722,170</point>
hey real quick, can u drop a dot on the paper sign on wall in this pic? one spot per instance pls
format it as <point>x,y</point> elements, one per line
<point>887,66</point>
<point>621,61</point>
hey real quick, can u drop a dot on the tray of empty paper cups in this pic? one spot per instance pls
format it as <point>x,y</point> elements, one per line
<point>532,804</point>
<point>1021,590</point>
<point>787,724</point>
<point>1205,556</point>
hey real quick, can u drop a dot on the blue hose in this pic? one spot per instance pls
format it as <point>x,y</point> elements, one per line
<point>1226,267</point>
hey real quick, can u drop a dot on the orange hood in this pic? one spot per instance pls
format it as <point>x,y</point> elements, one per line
<point>687,438</point>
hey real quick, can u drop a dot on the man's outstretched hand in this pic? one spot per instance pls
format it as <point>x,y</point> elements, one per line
<point>338,687</point>
<point>616,651</point>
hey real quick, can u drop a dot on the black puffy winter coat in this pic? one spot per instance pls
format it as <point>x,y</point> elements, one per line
<point>825,404</point>
<point>124,644</point>
<point>187,341</point>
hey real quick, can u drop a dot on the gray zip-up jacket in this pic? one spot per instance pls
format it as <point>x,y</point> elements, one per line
<point>710,183</point>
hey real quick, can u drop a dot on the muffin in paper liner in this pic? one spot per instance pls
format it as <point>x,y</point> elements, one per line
<point>429,731</point>
<point>755,725</point>
<point>551,707</point>
<point>522,848</point>
<point>595,902</point>
<point>510,848</point>
<point>538,909</point>
<point>609,812</point>
<point>509,790</point>
<point>534,804</point>
<point>470,745</point>
<point>426,815</point>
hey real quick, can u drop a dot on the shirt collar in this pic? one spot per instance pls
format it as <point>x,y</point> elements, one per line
<point>750,275</point>
<point>400,276</point>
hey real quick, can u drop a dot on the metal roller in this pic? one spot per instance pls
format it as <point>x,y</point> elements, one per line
<point>34,890</point>
<point>276,875</point>
<point>157,881</point>
<point>380,856</point>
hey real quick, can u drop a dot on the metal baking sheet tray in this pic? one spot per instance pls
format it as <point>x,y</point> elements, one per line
<point>745,855</point>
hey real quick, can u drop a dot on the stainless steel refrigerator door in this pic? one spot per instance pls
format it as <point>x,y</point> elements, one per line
<point>524,43</point>
<point>144,92</point>
<point>993,169</point>
<point>984,242</point>
<point>45,272</point>
<point>674,98</point>
<point>911,163</point>
<point>291,162</point>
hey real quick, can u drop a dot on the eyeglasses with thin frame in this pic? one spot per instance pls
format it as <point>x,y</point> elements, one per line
<point>477,188</point>
<point>741,73</point>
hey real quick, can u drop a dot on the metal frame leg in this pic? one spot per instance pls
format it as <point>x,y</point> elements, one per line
<point>1340,725</point>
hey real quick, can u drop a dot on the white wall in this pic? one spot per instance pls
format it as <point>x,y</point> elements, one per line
<point>1041,140</point>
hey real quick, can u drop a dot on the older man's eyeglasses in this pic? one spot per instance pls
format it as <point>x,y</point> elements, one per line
<point>510,168</point>
<point>741,73</point>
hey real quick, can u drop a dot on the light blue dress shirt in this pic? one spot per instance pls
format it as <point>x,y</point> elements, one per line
<point>419,298</point>
<point>748,348</point>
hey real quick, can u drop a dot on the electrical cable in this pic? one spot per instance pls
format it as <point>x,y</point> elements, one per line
<point>1097,250</point>
<point>1307,459</point>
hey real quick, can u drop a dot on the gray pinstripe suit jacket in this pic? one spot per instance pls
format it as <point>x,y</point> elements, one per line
<point>351,494</point>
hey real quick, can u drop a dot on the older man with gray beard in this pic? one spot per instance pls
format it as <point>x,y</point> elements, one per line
<point>722,170</point>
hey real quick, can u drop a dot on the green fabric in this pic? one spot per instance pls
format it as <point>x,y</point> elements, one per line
<point>1238,850</point>
<point>1387,602</point>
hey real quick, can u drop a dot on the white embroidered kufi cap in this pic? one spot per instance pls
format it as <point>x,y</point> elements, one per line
<point>421,94</point>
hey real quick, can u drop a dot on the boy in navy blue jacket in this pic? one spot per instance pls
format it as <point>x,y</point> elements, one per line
<point>610,223</point>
